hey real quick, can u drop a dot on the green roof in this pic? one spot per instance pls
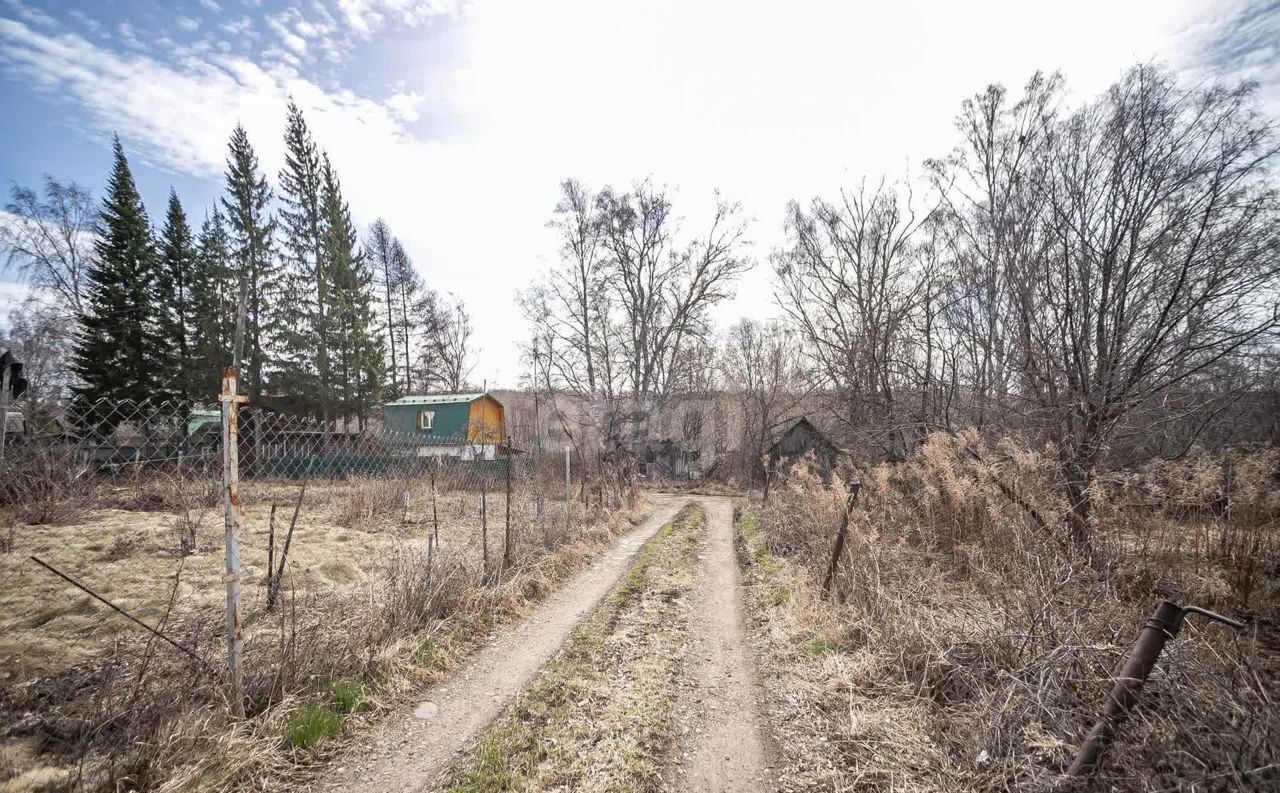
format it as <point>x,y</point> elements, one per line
<point>437,399</point>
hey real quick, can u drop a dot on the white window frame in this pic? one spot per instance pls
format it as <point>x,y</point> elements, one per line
<point>426,419</point>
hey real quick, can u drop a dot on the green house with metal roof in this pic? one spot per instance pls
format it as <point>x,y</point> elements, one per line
<point>448,425</point>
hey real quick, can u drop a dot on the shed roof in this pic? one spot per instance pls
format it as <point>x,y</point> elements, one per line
<point>439,399</point>
<point>803,423</point>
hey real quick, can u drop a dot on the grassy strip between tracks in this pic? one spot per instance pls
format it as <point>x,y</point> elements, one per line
<point>600,716</point>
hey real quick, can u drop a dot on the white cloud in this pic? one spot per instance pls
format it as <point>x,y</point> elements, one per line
<point>240,28</point>
<point>404,105</point>
<point>33,15</point>
<point>1239,42</point>
<point>280,23</point>
<point>211,5</point>
<point>189,24</point>
<point>366,17</point>
<point>84,19</point>
<point>12,294</point>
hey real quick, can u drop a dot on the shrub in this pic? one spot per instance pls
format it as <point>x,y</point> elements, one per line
<point>368,501</point>
<point>963,616</point>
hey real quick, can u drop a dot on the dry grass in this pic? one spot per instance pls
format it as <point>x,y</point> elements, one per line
<point>600,717</point>
<point>970,649</point>
<point>89,700</point>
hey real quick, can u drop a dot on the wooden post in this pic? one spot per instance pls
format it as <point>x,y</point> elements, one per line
<point>841,533</point>
<point>230,400</point>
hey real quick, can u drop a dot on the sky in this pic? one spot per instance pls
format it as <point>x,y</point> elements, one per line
<point>455,121</point>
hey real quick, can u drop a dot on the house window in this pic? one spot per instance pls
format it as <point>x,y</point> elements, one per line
<point>426,419</point>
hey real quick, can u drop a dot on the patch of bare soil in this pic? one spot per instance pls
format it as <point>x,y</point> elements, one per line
<point>409,752</point>
<point>722,742</point>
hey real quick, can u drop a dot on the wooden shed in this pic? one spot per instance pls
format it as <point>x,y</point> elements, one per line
<point>462,425</point>
<point>800,439</point>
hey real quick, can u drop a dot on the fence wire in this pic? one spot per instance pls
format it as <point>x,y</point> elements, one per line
<point>170,455</point>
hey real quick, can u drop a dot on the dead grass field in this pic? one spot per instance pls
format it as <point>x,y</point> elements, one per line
<point>366,616</point>
<point>129,553</point>
<point>967,649</point>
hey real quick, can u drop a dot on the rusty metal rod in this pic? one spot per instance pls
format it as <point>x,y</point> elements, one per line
<point>83,588</point>
<point>841,533</point>
<point>1163,626</point>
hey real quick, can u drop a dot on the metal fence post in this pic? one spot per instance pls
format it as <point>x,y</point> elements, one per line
<point>1164,625</point>
<point>568,489</point>
<point>841,533</point>
<point>4,409</point>
<point>484,515</point>
<point>506,540</point>
<point>435,515</point>
<point>230,400</point>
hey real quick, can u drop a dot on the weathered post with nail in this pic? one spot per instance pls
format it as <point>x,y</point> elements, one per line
<point>842,533</point>
<point>231,401</point>
<point>1163,626</point>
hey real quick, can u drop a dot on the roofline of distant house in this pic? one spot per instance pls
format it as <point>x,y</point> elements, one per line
<point>442,399</point>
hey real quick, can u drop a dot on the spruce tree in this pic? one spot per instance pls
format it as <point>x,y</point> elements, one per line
<point>247,203</point>
<point>304,336</point>
<point>121,353</point>
<point>357,347</point>
<point>177,310</point>
<point>216,300</point>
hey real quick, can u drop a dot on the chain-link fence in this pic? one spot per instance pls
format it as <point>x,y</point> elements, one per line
<point>142,455</point>
<point>353,542</point>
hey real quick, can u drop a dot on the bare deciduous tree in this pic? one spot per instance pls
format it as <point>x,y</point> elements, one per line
<point>453,346</point>
<point>764,369</point>
<point>991,223</point>
<point>50,239</point>
<point>662,290</point>
<point>855,280</point>
<point>1160,259</point>
<point>40,335</point>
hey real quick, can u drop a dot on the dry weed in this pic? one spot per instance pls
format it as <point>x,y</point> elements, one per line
<point>970,649</point>
<point>123,714</point>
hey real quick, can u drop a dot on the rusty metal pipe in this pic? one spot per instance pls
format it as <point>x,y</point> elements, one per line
<point>1163,625</point>
<point>837,550</point>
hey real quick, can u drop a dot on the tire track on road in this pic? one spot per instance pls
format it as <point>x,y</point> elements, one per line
<point>722,744</point>
<point>408,753</point>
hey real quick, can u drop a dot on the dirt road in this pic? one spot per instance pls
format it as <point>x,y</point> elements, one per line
<point>408,753</point>
<point>721,743</point>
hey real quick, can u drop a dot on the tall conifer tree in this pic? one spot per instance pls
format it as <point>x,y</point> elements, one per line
<point>378,250</point>
<point>121,353</point>
<point>216,298</point>
<point>247,202</point>
<point>305,336</point>
<point>358,352</point>
<point>177,311</point>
